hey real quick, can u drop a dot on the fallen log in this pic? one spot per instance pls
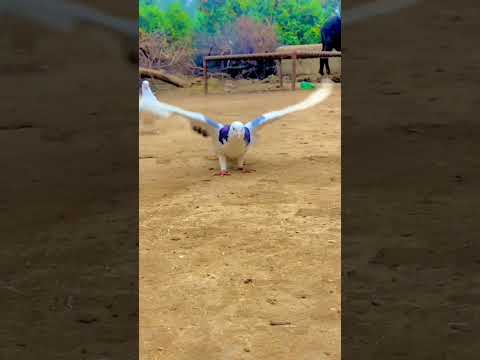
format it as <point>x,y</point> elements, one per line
<point>162,75</point>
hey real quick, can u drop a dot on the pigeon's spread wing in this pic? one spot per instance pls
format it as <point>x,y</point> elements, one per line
<point>374,8</point>
<point>149,103</point>
<point>64,15</point>
<point>317,97</point>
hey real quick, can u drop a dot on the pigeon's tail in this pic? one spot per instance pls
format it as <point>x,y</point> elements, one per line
<point>200,130</point>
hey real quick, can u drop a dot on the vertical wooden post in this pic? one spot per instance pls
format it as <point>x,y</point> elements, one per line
<point>205,76</point>
<point>280,72</point>
<point>294,71</point>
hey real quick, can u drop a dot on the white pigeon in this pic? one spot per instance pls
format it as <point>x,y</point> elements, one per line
<point>230,141</point>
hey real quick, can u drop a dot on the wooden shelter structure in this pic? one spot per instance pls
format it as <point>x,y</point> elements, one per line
<point>275,56</point>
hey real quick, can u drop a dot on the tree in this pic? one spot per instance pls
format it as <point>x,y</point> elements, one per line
<point>175,23</point>
<point>179,23</point>
<point>151,19</point>
<point>295,21</point>
<point>299,21</point>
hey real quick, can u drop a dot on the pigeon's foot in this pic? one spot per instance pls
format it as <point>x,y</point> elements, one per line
<point>246,171</point>
<point>223,173</point>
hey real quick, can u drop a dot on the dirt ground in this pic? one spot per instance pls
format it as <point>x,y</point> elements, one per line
<point>69,263</point>
<point>222,258</point>
<point>410,135</point>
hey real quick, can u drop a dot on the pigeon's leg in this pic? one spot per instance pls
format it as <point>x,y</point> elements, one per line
<point>241,165</point>
<point>223,166</point>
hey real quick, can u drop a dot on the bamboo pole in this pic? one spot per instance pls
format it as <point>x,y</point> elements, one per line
<point>205,75</point>
<point>294,71</point>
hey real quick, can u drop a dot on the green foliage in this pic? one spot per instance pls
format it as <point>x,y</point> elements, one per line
<point>175,22</point>
<point>299,21</point>
<point>179,22</point>
<point>295,21</point>
<point>150,18</point>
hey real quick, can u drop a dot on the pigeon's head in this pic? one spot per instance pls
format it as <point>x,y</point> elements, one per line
<point>145,87</point>
<point>237,129</point>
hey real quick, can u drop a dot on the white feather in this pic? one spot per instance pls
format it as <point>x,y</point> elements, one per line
<point>374,8</point>
<point>64,15</point>
<point>317,97</point>
<point>149,103</point>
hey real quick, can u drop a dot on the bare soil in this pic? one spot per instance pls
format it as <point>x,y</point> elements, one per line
<point>69,264</point>
<point>246,266</point>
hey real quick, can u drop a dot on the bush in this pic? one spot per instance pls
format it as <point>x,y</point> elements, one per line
<point>250,36</point>
<point>244,36</point>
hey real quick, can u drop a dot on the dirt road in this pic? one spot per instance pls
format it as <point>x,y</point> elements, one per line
<point>223,258</point>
